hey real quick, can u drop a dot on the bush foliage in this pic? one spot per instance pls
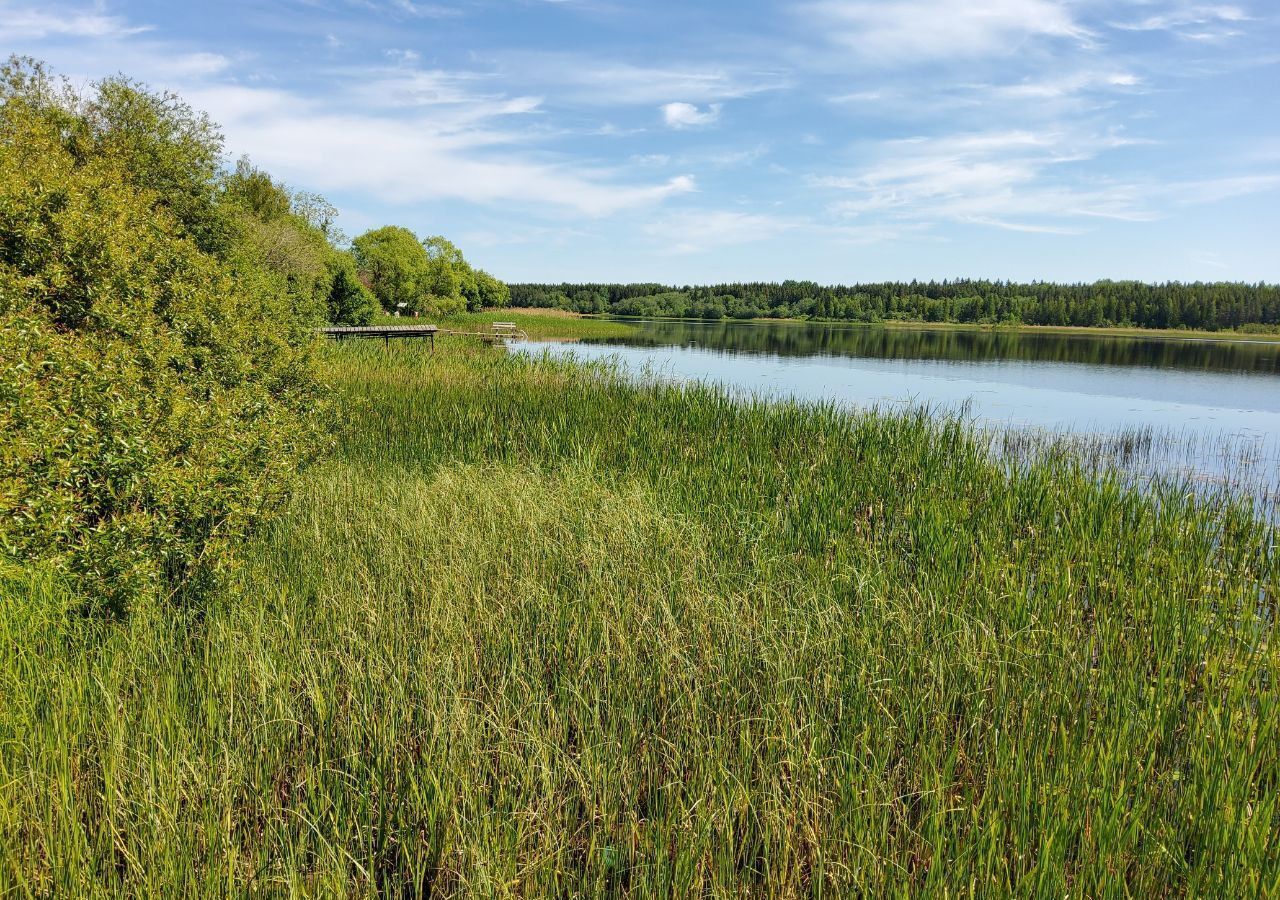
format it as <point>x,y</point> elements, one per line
<point>156,394</point>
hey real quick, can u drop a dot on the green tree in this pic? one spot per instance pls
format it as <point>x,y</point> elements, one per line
<point>283,238</point>
<point>492,293</point>
<point>349,301</point>
<point>394,264</point>
<point>163,146</point>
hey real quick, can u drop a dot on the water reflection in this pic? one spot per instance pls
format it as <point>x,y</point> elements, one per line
<point>813,339</point>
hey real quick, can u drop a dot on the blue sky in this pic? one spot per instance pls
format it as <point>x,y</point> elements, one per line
<point>683,142</point>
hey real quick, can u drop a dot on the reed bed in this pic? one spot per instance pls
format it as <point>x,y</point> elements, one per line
<point>536,630</point>
<point>1216,468</point>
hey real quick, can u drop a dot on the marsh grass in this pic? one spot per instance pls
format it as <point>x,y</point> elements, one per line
<point>536,630</point>
<point>1215,468</point>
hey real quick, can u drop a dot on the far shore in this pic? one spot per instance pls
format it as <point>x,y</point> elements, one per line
<point>549,322</point>
<point>1272,337</point>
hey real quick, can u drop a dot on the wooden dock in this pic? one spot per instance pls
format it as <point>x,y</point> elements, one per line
<point>502,332</point>
<point>386,332</point>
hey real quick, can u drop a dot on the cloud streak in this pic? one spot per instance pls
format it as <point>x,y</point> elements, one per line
<point>585,79</point>
<point>27,23</point>
<point>1016,180</point>
<point>1192,21</point>
<point>405,160</point>
<point>699,230</point>
<point>907,32</point>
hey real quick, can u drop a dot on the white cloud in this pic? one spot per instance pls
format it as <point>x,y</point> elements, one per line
<point>686,115</point>
<point>403,57</point>
<point>28,23</point>
<point>413,159</point>
<point>1020,181</point>
<point>397,86</point>
<point>394,133</point>
<point>1011,179</point>
<point>1067,86</point>
<point>1205,21</point>
<point>410,8</point>
<point>695,231</point>
<point>1212,190</point>
<point>1038,97</point>
<point>591,80</point>
<point>197,65</point>
<point>908,32</point>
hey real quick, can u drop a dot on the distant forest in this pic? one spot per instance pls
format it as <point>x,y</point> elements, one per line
<point>1210,306</point>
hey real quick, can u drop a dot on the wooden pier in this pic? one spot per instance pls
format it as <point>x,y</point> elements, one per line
<point>386,332</point>
<point>502,332</point>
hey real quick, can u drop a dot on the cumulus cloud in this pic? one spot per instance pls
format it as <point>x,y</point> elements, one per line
<point>686,115</point>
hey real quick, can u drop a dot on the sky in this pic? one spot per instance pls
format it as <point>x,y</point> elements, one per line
<point>696,142</point>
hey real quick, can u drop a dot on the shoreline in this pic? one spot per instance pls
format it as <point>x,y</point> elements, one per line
<point>1239,337</point>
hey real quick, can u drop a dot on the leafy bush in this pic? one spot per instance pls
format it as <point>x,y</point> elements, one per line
<point>156,395</point>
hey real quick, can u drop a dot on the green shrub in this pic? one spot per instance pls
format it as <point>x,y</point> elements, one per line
<point>349,301</point>
<point>155,397</point>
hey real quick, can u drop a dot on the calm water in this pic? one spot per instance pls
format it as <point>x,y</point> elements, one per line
<point>1213,405</point>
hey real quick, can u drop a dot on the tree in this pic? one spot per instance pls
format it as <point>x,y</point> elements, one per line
<point>273,236</point>
<point>394,264</point>
<point>447,273</point>
<point>431,276</point>
<point>490,292</point>
<point>163,146</point>
<point>349,302</point>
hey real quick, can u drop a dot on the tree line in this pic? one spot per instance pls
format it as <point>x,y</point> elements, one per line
<point>1200,305</point>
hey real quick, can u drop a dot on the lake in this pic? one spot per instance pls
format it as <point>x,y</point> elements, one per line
<point>1206,408</point>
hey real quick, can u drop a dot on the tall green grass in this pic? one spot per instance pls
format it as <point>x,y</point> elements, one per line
<point>534,630</point>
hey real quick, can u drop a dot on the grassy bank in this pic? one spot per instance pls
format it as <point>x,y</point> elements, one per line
<point>537,631</point>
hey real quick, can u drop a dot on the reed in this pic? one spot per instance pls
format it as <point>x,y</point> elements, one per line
<point>537,630</point>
